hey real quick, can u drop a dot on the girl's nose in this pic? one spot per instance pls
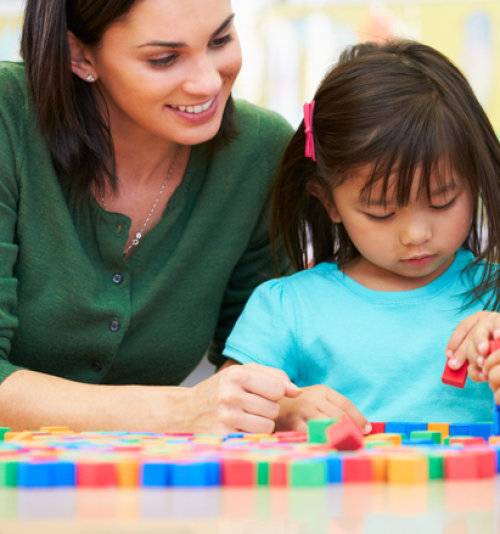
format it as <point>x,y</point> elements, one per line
<point>204,79</point>
<point>415,231</point>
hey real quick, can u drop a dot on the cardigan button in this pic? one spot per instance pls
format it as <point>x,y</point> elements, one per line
<point>117,278</point>
<point>114,326</point>
<point>97,367</point>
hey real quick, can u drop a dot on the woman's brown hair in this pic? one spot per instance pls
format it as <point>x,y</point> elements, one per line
<point>396,107</point>
<point>69,117</point>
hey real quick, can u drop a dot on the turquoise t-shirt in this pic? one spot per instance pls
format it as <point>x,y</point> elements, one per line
<point>382,350</point>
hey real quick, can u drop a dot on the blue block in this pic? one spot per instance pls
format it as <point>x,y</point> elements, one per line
<point>189,474</point>
<point>496,422</point>
<point>395,428</point>
<point>213,468</point>
<point>235,435</point>
<point>155,474</point>
<point>418,442</point>
<point>497,407</point>
<point>35,475</point>
<point>459,429</point>
<point>410,427</point>
<point>64,474</point>
<point>333,469</point>
<point>481,430</point>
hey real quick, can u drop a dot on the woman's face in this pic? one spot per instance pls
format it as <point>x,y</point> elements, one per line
<point>166,71</point>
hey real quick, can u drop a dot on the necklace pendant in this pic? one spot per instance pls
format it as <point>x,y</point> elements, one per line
<point>135,242</point>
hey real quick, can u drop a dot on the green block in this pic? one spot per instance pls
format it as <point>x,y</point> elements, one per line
<point>8,473</point>
<point>426,434</point>
<point>436,467</point>
<point>263,473</point>
<point>3,431</point>
<point>317,429</point>
<point>306,473</point>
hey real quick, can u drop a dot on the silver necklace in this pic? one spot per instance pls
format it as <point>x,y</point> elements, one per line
<point>135,242</point>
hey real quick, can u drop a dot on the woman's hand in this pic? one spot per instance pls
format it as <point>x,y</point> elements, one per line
<point>314,403</point>
<point>470,342</point>
<point>239,398</point>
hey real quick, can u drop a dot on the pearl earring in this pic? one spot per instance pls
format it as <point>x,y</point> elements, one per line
<point>90,78</point>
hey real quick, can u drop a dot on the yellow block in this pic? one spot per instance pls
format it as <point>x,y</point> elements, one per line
<point>395,439</point>
<point>54,429</point>
<point>494,440</point>
<point>407,469</point>
<point>18,436</point>
<point>444,428</point>
<point>128,473</point>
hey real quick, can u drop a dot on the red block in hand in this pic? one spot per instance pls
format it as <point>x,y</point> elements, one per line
<point>455,378</point>
<point>344,435</point>
<point>494,345</point>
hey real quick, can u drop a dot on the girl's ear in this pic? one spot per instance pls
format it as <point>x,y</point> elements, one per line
<point>326,199</point>
<point>81,59</point>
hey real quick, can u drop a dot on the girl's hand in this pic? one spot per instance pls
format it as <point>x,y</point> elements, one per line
<point>314,403</point>
<point>239,398</point>
<point>470,342</point>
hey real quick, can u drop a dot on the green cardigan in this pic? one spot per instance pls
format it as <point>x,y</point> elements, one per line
<point>71,306</point>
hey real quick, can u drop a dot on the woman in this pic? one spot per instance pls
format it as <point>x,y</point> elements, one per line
<point>133,228</point>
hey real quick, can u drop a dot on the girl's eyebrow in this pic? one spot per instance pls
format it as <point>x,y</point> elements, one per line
<point>222,27</point>
<point>450,186</point>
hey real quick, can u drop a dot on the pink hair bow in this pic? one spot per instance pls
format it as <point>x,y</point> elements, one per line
<point>308,123</point>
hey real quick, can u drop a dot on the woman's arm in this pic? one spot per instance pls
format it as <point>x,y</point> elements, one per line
<point>244,398</point>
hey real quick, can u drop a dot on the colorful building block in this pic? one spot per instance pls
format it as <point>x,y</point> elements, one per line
<point>238,472</point>
<point>377,428</point>
<point>395,428</point>
<point>459,429</point>
<point>483,430</point>
<point>345,435</point>
<point>317,429</point>
<point>455,378</point>
<point>435,437</point>
<point>307,473</point>
<point>357,469</point>
<point>460,467</point>
<point>407,469</point>
<point>443,428</point>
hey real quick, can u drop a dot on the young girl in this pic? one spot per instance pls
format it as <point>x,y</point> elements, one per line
<point>399,182</point>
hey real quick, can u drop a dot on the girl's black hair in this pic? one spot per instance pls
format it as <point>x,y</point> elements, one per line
<point>69,116</point>
<point>395,107</point>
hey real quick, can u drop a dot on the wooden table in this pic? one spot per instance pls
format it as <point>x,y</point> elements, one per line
<point>435,508</point>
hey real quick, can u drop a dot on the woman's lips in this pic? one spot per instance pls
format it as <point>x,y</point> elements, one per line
<point>196,118</point>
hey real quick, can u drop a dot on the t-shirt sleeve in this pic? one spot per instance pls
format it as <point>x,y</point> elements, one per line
<point>9,194</point>
<point>266,332</point>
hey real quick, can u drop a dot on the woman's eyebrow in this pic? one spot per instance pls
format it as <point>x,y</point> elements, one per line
<point>166,44</point>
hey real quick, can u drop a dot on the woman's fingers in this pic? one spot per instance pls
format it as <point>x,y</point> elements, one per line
<point>291,390</point>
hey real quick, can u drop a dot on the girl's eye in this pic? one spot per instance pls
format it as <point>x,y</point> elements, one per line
<point>163,62</point>
<point>378,217</point>
<point>446,206</point>
<point>216,43</point>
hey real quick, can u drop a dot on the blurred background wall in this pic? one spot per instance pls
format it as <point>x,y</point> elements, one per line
<point>289,44</point>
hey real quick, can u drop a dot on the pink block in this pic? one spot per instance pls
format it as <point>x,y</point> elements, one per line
<point>344,435</point>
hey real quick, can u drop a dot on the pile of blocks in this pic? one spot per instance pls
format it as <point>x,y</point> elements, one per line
<point>333,451</point>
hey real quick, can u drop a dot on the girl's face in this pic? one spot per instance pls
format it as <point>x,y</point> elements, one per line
<point>403,247</point>
<point>167,69</point>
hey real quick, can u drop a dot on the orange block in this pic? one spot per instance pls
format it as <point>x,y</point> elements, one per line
<point>54,429</point>
<point>395,439</point>
<point>18,436</point>
<point>444,428</point>
<point>407,469</point>
<point>128,473</point>
<point>379,467</point>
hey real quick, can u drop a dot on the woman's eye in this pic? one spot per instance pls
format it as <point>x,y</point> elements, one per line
<point>379,217</point>
<point>222,40</point>
<point>445,206</point>
<point>163,62</point>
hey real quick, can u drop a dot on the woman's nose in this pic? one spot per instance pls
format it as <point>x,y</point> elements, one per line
<point>204,78</point>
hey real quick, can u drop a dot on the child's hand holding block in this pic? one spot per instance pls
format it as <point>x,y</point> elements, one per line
<point>455,378</point>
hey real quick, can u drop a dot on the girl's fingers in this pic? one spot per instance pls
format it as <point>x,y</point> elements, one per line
<point>461,332</point>
<point>347,407</point>
<point>493,360</point>
<point>494,380</point>
<point>476,373</point>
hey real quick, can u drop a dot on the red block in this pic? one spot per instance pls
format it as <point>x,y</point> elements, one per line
<point>455,378</point>
<point>237,472</point>
<point>344,435</point>
<point>96,474</point>
<point>291,437</point>
<point>377,428</point>
<point>278,473</point>
<point>460,467</point>
<point>357,469</point>
<point>486,462</point>
<point>494,345</point>
<point>467,442</point>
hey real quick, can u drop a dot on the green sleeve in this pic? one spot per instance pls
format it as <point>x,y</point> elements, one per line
<point>9,196</point>
<point>256,265</point>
